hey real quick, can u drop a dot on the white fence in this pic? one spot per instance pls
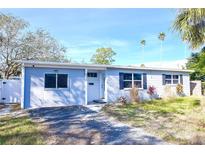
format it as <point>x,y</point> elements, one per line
<point>10,91</point>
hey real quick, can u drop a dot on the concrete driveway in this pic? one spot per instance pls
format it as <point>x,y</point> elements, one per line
<point>82,125</point>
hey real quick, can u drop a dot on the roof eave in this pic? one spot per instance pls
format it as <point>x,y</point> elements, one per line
<point>96,66</point>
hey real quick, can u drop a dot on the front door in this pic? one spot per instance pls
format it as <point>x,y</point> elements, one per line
<point>93,86</point>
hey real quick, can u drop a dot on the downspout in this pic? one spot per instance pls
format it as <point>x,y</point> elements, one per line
<point>106,87</point>
<point>22,86</point>
<point>86,87</point>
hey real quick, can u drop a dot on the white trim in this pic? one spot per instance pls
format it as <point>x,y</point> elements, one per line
<point>95,66</point>
<point>86,87</point>
<point>106,87</point>
<point>132,80</point>
<point>22,86</point>
<point>100,82</point>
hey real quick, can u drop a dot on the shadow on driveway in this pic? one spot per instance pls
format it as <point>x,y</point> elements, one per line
<point>81,125</point>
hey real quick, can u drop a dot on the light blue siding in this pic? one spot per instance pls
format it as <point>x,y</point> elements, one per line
<point>35,95</point>
<point>154,78</point>
<point>113,86</point>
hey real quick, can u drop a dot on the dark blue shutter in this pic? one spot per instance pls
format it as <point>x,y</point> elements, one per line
<point>121,80</point>
<point>163,79</point>
<point>144,81</point>
<point>181,79</point>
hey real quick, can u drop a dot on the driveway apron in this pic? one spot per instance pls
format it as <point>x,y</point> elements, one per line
<point>82,125</point>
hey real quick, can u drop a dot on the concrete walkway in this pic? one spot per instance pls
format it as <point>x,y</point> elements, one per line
<point>83,125</point>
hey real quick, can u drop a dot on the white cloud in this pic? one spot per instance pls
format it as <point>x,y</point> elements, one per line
<point>84,49</point>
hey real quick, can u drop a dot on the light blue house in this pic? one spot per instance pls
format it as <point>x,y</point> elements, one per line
<point>46,84</point>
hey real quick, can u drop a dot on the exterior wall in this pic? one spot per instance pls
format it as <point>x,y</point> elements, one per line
<point>35,95</point>
<point>154,78</point>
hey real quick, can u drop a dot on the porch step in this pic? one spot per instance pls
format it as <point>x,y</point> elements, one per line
<point>99,101</point>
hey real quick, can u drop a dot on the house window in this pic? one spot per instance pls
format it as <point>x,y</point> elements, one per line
<point>138,80</point>
<point>56,81</point>
<point>130,79</point>
<point>175,79</point>
<point>50,81</point>
<point>171,79</point>
<point>127,80</point>
<point>62,80</point>
<point>92,75</point>
<point>168,79</point>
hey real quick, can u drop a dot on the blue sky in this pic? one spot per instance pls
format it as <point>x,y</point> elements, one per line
<point>82,31</point>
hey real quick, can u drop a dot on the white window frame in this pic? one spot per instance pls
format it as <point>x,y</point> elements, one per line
<point>138,80</point>
<point>128,80</point>
<point>172,79</point>
<point>56,88</point>
<point>133,81</point>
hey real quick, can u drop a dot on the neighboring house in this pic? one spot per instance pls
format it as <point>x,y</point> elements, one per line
<point>58,84</point>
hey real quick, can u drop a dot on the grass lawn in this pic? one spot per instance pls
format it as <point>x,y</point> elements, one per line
<point>20,130</point>
<point>176,120</point>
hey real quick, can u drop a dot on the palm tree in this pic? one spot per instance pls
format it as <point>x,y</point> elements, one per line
<point>143,43</point>
<point>190,24</point>
<point>161,37</point>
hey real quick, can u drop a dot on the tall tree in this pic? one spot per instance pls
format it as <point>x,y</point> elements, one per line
<point>197,63</point>
<point>161,37</point>
<point>103,56</point>
<point>17,43</point>
<point>190,23</point>
<point>143,43</point>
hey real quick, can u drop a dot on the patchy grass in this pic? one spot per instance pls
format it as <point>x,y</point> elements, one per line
<point>176,120</point>
<point>20,130</point>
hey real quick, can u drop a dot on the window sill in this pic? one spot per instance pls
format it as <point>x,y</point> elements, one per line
<point>127,89</point>
<point>55,89</point>
<point>171,84</point>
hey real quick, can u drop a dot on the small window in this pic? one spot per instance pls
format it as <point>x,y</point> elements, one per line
<point>56,81</point>
<point>138,84</point>
<point>50,81</point>
<point>92,75</point>
<point>130,79</point>
<point>137,77</point>
<point>127,76</point>
<point>175,79</point>
<point>171,79</point>
<point>138,80</point>
<point>168,79</point>
<point>62,81</point>
<point>127,84</point>
<point>127,80</point>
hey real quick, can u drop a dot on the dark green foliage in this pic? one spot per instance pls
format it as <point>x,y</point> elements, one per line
<point>197,63</point>
<point>190,24</point>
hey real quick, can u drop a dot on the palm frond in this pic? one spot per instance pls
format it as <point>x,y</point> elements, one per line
<point>190,23</point>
